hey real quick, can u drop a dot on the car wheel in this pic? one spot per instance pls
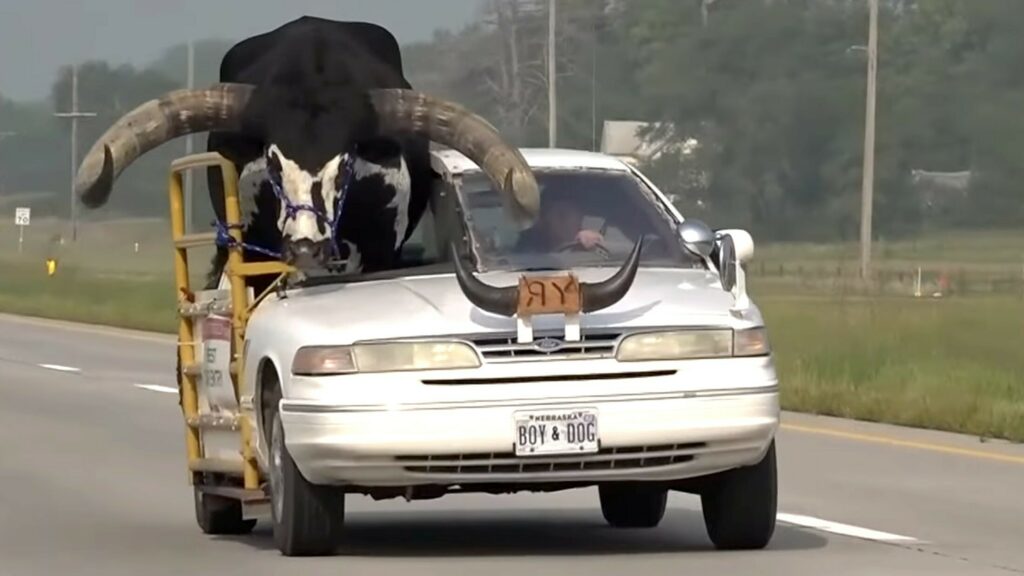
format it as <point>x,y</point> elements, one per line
<point>220,515</point>
<point>632,505</point>
<point>307,518</point>
<point>740,507</point>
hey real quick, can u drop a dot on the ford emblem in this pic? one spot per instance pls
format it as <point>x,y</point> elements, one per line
<point>547,345</point>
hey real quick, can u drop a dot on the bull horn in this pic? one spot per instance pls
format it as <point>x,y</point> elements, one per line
<point>504,301</point>
<point>151,124</point>
<point>501,301</point>
<point>605,293</point>
<point>457,127</point>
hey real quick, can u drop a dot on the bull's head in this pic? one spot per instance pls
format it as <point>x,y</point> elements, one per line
<point>307,143</point>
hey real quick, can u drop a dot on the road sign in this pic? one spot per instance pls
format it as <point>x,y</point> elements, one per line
<point>22,216</point>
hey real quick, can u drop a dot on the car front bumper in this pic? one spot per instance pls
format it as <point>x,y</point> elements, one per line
<point>655,435</point>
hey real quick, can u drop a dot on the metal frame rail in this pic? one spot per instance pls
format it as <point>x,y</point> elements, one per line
<point>237,271</point>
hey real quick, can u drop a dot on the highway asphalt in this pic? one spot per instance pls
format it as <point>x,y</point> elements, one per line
<point>92,481</point>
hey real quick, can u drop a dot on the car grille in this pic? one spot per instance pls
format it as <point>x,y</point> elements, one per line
<point>629,458</point>
<point>505,348</point>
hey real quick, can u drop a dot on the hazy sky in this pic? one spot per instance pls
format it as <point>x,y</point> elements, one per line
<point>39,36</point>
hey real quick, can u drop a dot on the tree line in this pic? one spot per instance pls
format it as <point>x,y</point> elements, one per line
<point>768,94</point>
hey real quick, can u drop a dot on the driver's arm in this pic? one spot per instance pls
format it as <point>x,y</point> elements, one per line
<point>589,238</point>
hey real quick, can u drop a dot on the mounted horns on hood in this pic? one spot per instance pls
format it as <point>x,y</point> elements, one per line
<point>504,301</point>
<point>222,108</point>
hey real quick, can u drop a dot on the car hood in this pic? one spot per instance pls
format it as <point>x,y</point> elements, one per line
<point>434,305</point>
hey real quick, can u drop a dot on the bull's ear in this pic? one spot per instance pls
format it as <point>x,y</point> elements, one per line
<point>273,156</point>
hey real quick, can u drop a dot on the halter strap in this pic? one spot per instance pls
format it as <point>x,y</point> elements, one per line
<point>291,210</point>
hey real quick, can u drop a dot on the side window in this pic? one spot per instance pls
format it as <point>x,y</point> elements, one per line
<point>422,244</point>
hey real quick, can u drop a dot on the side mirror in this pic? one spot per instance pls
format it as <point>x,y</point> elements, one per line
<point>727,263</point>
<point>697,237</point>
<point>743,243</point>
<point>735,248</point>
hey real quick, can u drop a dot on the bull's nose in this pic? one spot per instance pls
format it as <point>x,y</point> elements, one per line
<point>304,253</point>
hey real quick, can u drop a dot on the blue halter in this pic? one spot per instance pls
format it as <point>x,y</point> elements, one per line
<point>291,210</point>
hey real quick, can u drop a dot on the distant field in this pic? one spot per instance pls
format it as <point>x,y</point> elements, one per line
<point>118,272</point>
<point>140,245</point>
<point>949,363</point>
<point>111,245</point>
<point>972,249</point>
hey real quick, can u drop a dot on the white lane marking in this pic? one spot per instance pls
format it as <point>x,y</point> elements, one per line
<point>59,368</point>
<point>157,388</point>
<point>842,529</point>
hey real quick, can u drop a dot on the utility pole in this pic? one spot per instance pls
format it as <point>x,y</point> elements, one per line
<point>188,140</point>
<point>552,94</point>
<point>74,115</point>
<point>593,87</point>
<point>867,188</point>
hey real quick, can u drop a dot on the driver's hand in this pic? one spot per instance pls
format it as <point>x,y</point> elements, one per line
<point>589,238</point>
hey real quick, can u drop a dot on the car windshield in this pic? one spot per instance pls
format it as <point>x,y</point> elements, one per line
<point>588,218</point>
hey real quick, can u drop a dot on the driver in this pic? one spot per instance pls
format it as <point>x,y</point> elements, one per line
<point>560,223</point>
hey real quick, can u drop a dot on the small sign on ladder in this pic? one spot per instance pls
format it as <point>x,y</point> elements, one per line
<point>216,379</point>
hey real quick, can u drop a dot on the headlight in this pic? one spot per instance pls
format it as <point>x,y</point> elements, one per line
<point>693,344</point>
<point>323,360</point>
<point>383,357</point>
<point>751,342</point>
<point>675,345</point>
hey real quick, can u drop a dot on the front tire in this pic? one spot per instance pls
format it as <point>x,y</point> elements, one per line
<point>307,518</point>
<point>740,507</point>
<point>632,505</point>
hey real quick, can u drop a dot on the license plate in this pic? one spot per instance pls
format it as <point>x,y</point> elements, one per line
<point>548,432</point>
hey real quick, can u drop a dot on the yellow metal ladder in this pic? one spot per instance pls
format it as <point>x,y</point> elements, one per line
<point>245,468</point>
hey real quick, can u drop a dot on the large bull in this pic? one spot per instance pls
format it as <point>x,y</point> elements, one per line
<point>332,146</point>
<point>306,111</point>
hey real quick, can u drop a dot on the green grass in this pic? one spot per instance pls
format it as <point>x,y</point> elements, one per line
<point>952,249</point>
<point>950,364</point>
<point>139,302</point>
<point>944,364</point>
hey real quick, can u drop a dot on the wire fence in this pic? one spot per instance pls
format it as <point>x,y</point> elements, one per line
<point>926,280</point>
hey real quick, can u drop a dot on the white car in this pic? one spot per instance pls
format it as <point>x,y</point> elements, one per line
<point>650,374</point>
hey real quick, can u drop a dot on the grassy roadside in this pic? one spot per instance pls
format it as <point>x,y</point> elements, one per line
<point>125,300</point>
<point>944,364</point>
